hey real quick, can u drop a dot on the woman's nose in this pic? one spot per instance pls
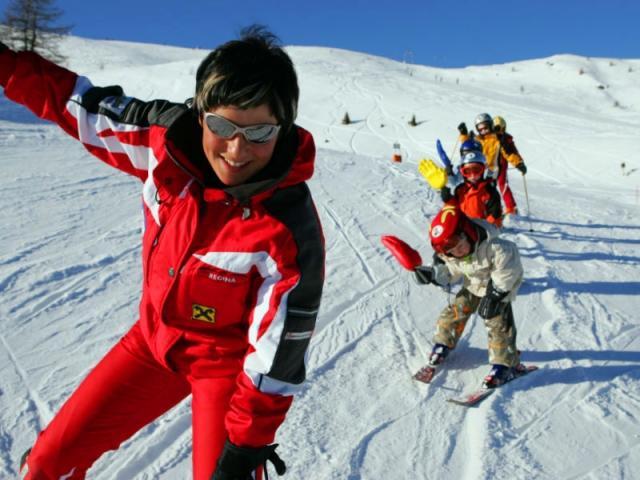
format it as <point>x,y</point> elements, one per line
<point>237,145</point>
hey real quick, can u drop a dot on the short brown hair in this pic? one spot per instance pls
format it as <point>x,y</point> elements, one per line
<point>249,72</point>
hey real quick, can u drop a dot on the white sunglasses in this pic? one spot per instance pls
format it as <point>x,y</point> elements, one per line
<point>260,133</point>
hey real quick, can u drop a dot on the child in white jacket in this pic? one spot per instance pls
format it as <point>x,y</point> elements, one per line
<point>491,272</point>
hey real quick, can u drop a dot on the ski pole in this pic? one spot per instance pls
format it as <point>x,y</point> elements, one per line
<point>455,149</point>
<point>526,196</point>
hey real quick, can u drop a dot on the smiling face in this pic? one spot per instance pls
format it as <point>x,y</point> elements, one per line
<point>235,160</point>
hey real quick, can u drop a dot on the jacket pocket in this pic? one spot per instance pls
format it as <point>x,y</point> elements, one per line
<point>213,298</point>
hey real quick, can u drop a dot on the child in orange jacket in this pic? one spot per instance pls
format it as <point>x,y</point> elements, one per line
<point>498,153</point>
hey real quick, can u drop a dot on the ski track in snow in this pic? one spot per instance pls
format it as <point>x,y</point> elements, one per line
<point>35,403</point>
<point>70,276</point>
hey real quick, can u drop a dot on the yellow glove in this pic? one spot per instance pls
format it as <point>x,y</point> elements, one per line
<point>436,176</point>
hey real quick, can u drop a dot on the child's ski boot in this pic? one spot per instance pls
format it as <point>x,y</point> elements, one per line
<point>438,354</point>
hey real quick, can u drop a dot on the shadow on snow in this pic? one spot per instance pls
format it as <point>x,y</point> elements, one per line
<point>540,284</point>
<point>471,357</point>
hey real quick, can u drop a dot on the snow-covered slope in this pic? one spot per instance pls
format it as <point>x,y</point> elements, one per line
<point>70,273</point>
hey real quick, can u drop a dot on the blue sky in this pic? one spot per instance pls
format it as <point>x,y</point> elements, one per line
<point>439,33</point>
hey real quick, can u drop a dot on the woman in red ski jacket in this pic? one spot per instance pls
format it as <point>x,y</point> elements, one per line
<point>233,257</point>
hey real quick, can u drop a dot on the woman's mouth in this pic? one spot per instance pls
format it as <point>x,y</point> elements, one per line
<point>234,164</point>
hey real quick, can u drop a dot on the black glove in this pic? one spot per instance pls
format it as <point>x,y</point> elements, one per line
<point>491,304</point>
<point>237,463</point>
<point>522,167</point>
<point>424,275</point>
<point>446,194</point>
<point>462,128</point>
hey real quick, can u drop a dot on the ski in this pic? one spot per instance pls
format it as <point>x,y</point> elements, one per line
<point>475,397</point>
<point>425,374</point>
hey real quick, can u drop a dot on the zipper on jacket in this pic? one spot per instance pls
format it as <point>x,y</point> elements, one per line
<point>245,206</point>
<point>152,250</point>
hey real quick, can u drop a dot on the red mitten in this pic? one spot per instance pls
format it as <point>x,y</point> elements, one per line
<point>406,256</point>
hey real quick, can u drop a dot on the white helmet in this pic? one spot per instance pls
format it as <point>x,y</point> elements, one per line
<point>484,118</point>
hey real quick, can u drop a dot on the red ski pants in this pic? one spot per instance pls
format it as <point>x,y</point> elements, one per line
<point>503,186</point>
<point>127,390</point>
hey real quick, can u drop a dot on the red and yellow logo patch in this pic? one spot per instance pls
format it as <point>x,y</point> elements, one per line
<point>446,211</point>
<point>203,313</point>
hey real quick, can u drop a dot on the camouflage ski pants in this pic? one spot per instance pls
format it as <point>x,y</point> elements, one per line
<point>501,329</point>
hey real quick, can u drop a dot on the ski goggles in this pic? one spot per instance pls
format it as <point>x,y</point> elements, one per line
<point>472,169</point>
<point>259,133</point>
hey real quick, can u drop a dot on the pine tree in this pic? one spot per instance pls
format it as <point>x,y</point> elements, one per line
<point>29,25</point>
<point>346,120</point>
<point>413,121</point>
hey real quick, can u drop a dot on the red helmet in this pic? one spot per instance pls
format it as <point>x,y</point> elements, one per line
<point>447,227</point>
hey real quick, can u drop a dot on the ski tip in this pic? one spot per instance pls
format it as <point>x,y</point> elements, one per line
<point>425,374</point>
<point>473,398</point>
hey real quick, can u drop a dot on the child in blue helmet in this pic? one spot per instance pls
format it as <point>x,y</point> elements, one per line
<point>476,195</point>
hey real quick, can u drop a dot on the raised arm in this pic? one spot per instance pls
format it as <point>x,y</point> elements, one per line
<point>111,126</point>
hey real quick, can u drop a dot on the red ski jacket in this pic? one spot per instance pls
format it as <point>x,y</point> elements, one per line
<point>238,269</point>
<point>480,200</point>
